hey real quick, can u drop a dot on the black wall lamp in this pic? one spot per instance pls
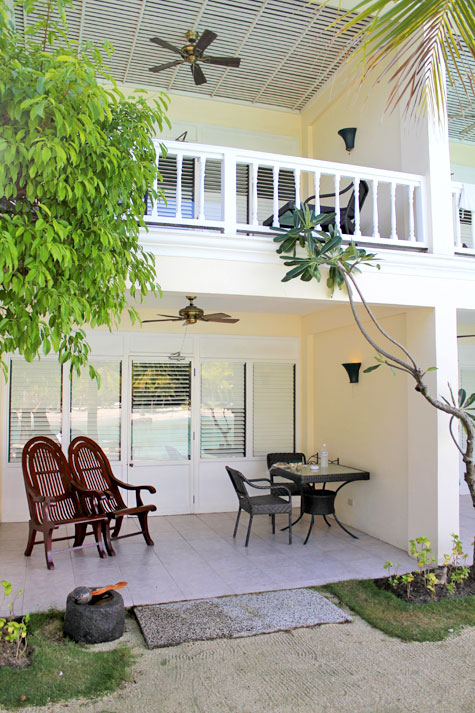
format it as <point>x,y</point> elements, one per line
<point>348,136</point>
<point>352,370</point>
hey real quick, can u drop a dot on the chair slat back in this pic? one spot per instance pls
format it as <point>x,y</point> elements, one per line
<point>362,193</point>
<point>273,458</point>
<point>45,469</point>
<point>91,467</point>
<point>237,479</point>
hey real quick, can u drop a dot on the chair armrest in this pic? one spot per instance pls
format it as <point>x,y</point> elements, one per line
<point>259,480</point>
<point>86,491</point>
<point>340,193</point>
<point>34,494</point>
<point>281,487</point>
<point>128,486</point>
<point>136,488</point>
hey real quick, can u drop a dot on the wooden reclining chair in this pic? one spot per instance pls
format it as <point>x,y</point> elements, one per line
<point>52,501</point>
<point>91,468</point>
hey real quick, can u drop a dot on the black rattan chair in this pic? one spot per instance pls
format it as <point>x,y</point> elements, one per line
<point>347,213</point>
<point>270,504</point>
<point>273,458</point>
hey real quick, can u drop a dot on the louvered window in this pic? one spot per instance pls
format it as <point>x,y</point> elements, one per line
<point>223,413</point>
<point>161,411</point>
<point>274,408</point>
<point>35,403</point>
<point>265,191</point>
<point>96,410</point>
<point>168,170</point>
<point>466,230</point>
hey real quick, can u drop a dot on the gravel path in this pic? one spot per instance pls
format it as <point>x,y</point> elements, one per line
<point>335,668</point>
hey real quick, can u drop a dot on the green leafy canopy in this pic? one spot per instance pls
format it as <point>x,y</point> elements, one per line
<point>76,160</point>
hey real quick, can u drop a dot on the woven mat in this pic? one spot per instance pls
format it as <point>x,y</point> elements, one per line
<point>235,616</point>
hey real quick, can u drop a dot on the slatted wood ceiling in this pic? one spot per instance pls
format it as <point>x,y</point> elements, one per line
<point>286,47</point>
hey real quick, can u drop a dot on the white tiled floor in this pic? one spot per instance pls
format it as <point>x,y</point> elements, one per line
<point>195,556</point>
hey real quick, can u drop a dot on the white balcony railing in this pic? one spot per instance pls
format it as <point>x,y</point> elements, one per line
<point>235,191</point>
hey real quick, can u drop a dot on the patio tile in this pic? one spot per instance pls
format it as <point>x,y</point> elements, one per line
<point>195,556</point>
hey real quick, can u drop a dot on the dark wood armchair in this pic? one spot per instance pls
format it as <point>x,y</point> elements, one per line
<point>91,468</point>
<point>52,501</point>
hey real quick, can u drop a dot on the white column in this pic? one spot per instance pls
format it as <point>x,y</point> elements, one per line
<point>433,481</point>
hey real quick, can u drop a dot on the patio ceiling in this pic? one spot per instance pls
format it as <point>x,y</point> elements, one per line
<point>287,48</point>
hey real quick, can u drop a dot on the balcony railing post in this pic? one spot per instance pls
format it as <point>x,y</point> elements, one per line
<point>229,193</point>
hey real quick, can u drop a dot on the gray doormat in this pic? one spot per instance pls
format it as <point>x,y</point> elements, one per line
<point>235,616</point>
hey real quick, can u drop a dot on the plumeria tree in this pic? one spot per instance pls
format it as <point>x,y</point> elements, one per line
<point>310,253</point>
<point>76,160</point>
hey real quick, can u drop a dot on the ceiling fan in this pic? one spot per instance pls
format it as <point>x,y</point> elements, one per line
<point>191,314</point>
<point>192,53</point>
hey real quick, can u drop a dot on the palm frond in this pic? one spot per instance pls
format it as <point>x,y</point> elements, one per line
<point>415,44</point>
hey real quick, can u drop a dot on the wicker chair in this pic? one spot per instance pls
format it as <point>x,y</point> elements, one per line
<point>260,504</point>
<point>347,213</point>
<point>90,467</point>
<point>52,501</point>
<point>273,458</point>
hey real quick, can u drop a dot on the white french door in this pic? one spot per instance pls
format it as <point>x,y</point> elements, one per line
<point>160,437</point>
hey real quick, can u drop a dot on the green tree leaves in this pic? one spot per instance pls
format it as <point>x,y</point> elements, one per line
<point>76,162</point>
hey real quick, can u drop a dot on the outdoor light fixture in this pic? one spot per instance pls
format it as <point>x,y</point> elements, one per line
<point>352,370</point>
<point>348,136</point>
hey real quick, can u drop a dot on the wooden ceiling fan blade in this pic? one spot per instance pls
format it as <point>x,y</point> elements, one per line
<point>206,38</point>
<point>221,315</point>
<point>197,73</point>
<point>222,320</point>
<point>168,318</point>
<point>222,61</point>
<point>166,45</point>
<point>167,65</point>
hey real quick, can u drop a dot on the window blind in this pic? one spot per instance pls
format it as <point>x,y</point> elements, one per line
<point>161,411</point>
<point>274,408</point>
<point>35,403</point>
<point>466,234</point>
<point>96,410</point>
<point>168,169</point>
<point>223,412</point>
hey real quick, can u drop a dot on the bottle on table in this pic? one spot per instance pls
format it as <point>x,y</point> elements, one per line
<point>324,457</point>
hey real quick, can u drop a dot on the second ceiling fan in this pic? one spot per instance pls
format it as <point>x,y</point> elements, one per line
<point>192,54</point>
<point>191,314</point>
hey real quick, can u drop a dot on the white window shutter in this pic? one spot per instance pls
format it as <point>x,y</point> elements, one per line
<point>274,408</point>
<point>35,403</point>
<point>96,410</point>
<point>223,411</point>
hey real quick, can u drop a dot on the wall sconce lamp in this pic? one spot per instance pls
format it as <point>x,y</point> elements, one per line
<point>352,370</point>
<point>348,136</point>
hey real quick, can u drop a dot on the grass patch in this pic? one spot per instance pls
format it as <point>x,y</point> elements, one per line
<point>430,621</point>
<point>61,669</point>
